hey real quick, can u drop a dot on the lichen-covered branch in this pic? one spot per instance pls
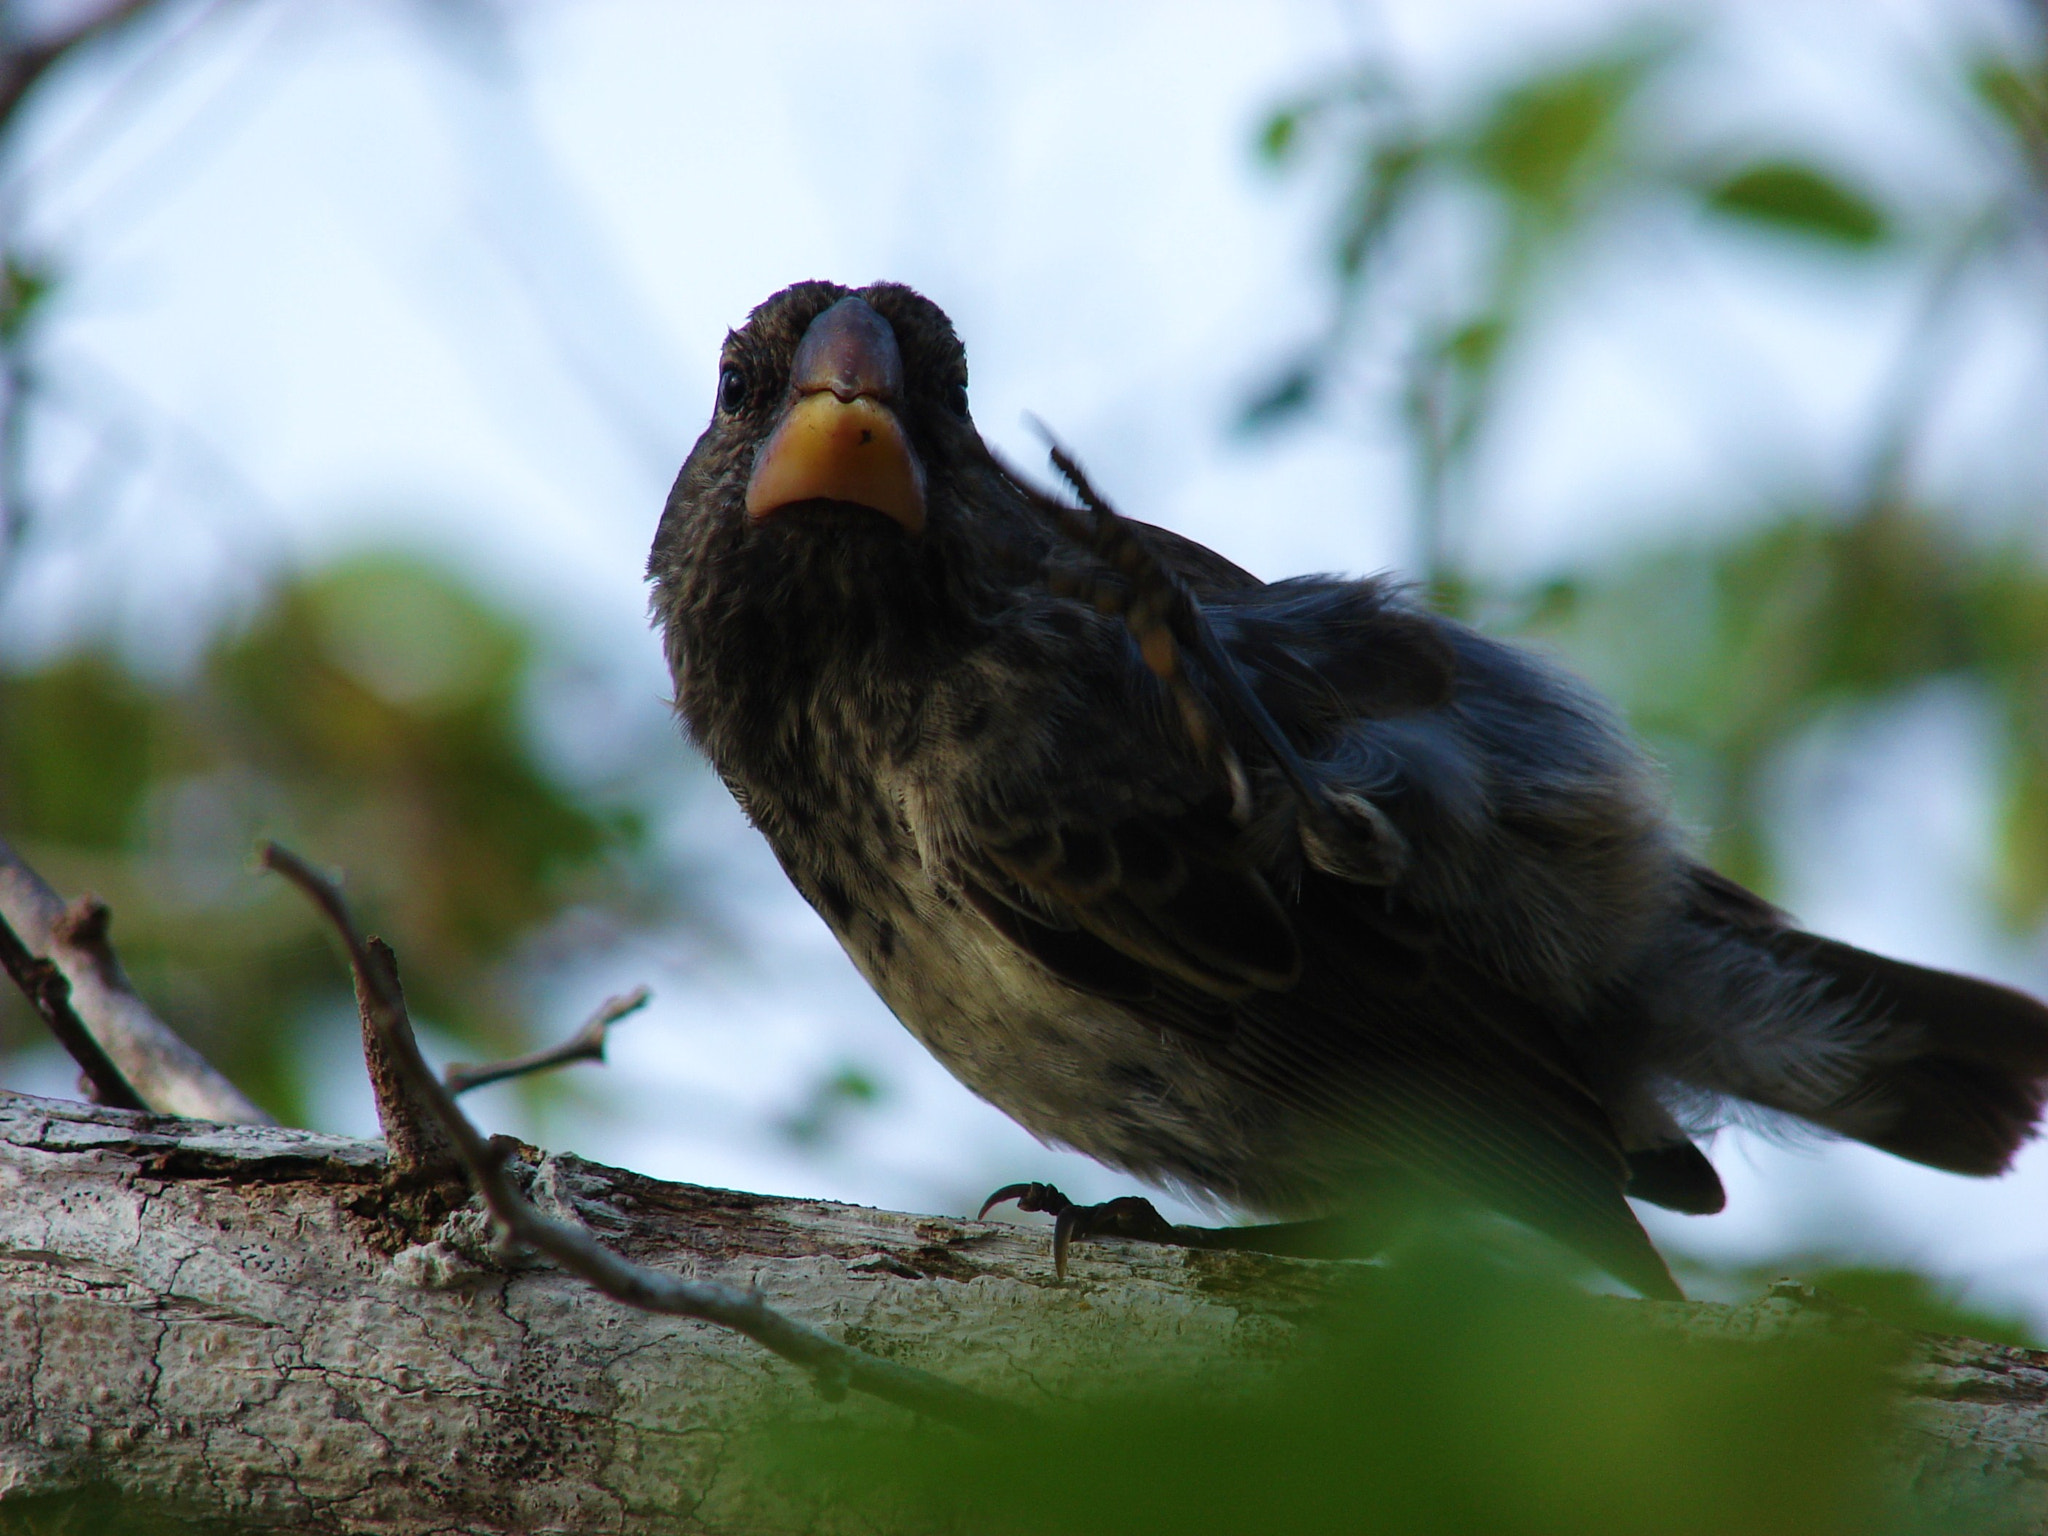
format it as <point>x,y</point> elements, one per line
<point>227,1318</point>
<point>224,1316</point>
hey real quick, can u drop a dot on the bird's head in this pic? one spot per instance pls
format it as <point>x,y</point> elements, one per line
<point>840,499</point>
<point>833,394</point>
<point>837,410</point>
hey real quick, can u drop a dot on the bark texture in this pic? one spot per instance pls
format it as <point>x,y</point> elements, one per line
<point>249,1322</point>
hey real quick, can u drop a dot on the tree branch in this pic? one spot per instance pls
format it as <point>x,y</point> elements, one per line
<point>223,1318</point>
<point>833,1365</point>
<point>170,1076</point>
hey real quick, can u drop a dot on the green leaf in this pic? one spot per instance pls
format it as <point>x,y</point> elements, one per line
<point>832,1098</point>
<point>1788,195</point>
<point>1279,135</point>
<point>1439,1392</point>
<point>1474,346</point>
<point>24,285</point>
<point>2019,96</point>
<point>1288,395</point>
<point>1552,136</point>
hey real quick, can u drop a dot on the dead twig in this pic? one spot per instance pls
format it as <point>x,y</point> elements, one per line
<point>835,1367</point>
<point>416,1147</point>
<point>170,1075</point>
<point>45,987</point>
<point>587,1044</point>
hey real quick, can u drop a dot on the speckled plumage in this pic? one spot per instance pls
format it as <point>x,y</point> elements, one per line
<point>997,808</point>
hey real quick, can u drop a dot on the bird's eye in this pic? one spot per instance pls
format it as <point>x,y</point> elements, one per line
<point>732,389</point>
<point>956,399</point>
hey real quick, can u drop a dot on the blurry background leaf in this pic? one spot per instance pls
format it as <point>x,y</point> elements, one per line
<point>1787,195</point>
<point>1291,393</point>
<point>2017,90</point>
<point>1553,140</point>
<point>845,1090</point>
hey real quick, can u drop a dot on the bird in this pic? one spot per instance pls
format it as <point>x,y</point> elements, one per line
<point>1296,897</point>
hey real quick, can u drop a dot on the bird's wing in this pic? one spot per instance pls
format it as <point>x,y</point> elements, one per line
<point>1444,1071</point>
<point>1320,994</point>
<point>1206,573</point>
<point>1139,883</point>
<point>1406,1057</point>
<point>1158,901</point>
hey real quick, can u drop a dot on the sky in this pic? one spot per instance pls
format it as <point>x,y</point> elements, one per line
<point>347,275</point>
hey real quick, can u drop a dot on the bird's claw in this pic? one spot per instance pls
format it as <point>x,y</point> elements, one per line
<point>1029,1197</point>
<point>1130,1216</point>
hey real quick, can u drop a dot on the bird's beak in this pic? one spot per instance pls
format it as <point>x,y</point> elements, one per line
<point>840,440</point>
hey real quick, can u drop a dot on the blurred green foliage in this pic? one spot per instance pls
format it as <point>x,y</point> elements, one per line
<point>1437,1394</point>
<point>23,287</point>
<point>832,1100</point>
<point>1906,1299</point>
<point>1531,172</point>
<point>1725,649</point>
<point>1800,200</point>
<point>369,715</point>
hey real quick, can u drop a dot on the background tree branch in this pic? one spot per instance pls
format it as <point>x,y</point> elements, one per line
<point>50,995</point>
<point>168,1074</point>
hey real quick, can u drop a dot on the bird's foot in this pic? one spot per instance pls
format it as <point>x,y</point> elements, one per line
<point>1131,1216</point>
<point>1353,1234</point>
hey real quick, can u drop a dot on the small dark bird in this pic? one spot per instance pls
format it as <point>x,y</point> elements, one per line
<point>1292,895</point>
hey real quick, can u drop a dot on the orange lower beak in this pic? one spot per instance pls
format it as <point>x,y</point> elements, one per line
<point>828,449</point>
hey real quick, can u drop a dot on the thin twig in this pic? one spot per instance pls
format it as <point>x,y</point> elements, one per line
<point>23,65</point>
<point>834,1366</point>
<point>587,1044</point>
<point>169,1074</point>
<point>45,987</point>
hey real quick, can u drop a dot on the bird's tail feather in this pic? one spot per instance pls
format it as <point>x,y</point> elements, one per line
<point>1958,1068</point>
<point>1943,1069</point>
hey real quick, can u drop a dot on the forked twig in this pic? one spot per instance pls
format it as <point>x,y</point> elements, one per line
<point>587,1044</point>
<point>834,1366</point>
<point>50,994</point>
